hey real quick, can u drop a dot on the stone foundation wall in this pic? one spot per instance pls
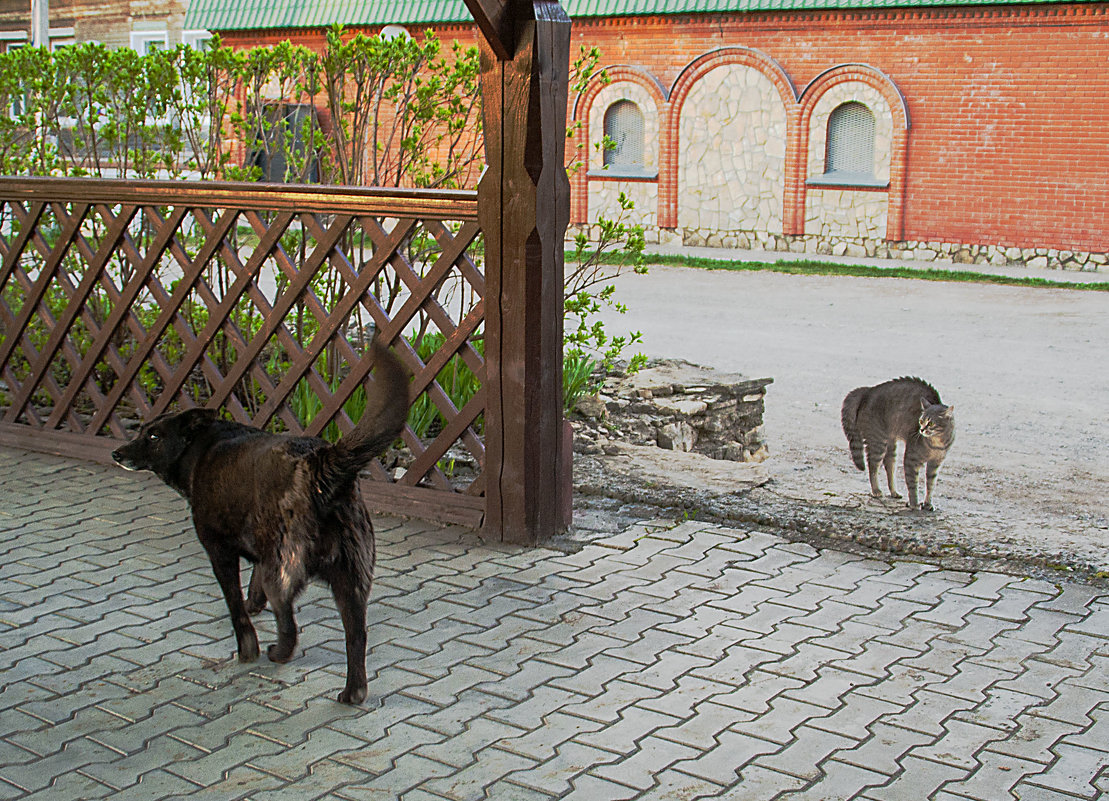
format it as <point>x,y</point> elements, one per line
<point>678,406</point>
<point>998,255</point>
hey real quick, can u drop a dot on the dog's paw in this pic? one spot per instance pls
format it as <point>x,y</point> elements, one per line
<point>253,606</point>
<point>248,651</point>
<point>352,695</point>
<point>277,654</point>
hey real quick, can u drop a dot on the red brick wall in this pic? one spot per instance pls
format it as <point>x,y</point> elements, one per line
<point>1008,141</point>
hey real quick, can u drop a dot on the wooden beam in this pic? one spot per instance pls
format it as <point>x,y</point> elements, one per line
<point>494,19</point>
<point>523,208</point>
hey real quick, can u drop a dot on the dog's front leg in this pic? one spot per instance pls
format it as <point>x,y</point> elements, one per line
<point>282,650</point>
<point>226,568</point>
<point>256,595</point>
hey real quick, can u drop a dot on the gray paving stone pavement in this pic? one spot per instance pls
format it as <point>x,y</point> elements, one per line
<point>668,661</point>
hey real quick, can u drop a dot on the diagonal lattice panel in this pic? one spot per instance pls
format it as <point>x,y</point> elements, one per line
<point>358,285</point>
<point>330,324</point>
<point>168,321</point>
<point>234,300</point>
<point>121,300</point>
<point>35,316</point>
<point>101,350</point>
<point>387,245</point>
<point>218,315</point>
<point>299,277</point>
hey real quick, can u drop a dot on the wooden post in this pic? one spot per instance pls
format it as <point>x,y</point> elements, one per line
<point>524,208</point>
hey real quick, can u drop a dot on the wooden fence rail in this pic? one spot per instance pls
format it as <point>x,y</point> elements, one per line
<point>120,300</point>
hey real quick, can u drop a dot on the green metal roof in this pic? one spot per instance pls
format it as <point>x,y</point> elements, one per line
<point>235,15</point>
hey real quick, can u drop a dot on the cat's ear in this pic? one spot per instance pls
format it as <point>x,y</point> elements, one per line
<point>923,404</point>
<point>949,411</point>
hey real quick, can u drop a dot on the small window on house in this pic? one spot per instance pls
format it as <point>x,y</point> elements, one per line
<point>850,146</point>
<point>196,39</point>
<point>145,42</point>
<point>287,136</point>
<point>624,126</point>
<point>20,101</point>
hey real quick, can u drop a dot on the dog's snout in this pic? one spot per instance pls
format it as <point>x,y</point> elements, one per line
<point>120,457</point>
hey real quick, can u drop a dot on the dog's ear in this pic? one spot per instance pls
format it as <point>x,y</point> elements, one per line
<point>193,420</point>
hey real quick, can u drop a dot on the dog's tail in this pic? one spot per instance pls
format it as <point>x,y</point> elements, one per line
<point>848,416</point>
<point>381,423</point>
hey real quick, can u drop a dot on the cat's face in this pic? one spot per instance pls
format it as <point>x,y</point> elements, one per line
<point>935,420</point>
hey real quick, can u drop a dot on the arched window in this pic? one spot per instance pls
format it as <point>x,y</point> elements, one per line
<point>391,32</point>
<point>850,145</point>
<point>624,125</point>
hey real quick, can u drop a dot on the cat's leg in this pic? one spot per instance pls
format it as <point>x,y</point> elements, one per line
<point>889,463</point>
<point>912,473</point>
<point>930,474</point>
<point>875,454</point>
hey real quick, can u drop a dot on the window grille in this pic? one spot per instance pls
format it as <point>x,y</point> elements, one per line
<point>850,146</point>
<point>624,125</point>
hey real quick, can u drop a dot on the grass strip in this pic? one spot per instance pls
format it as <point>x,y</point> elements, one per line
<point>809,267</point>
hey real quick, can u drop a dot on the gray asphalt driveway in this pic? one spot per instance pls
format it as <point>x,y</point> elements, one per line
<point>1025,368</point>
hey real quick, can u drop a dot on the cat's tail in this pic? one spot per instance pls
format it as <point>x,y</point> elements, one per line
<point>848,416</point>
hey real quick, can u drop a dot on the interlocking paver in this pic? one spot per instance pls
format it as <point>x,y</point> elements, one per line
<point>663,662</point>
<point>993,779</point>
<point>71,787</point>
<point>471,783</point>
<point>959,744</point>
<point>553,775</point>
<point>652,755</point>
<point>757,690</point>
<point>154,786</point>
<point>920,778</point>
<point>541,743</point>
<point>838,780</point>
<point>607,706</point>
<point>634,724</point>
<point>1074,770</point>
<point>884,747</point>
<point>454,718</point>
<point>381,754</point>
<point>803,757</point>
<point>592,680</point>
<point>1074,704</point>
<point>704,728</point>
<point>43,771</point>
<point>459,749</point>
<point>592,788</point>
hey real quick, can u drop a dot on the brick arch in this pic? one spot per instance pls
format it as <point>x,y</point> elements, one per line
<point>863,73</point>
<point>683,84</point>
<point>583,106</point>
<point>899,147</point>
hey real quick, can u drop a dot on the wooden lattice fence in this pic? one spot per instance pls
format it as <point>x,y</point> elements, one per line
<point>121,300</point>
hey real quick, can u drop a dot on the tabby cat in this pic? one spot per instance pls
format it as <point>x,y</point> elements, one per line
<point>906,409</point>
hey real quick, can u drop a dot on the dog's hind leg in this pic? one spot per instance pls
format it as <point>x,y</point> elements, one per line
<point>351,600</point>
<point>226,568</point>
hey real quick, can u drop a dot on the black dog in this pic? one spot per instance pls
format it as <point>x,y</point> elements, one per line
<point>291,505</point>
